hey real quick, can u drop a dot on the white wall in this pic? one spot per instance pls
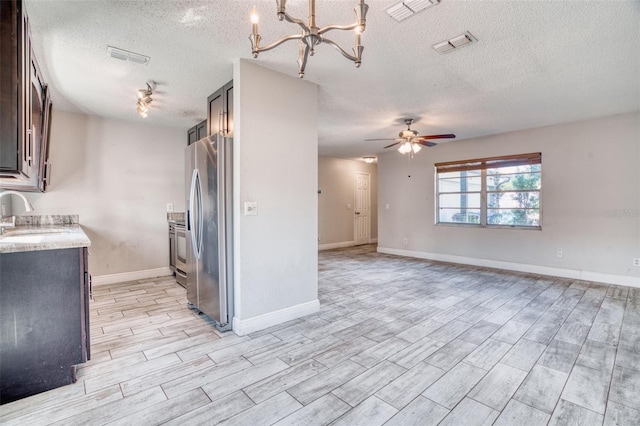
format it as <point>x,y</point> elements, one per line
<point>275,165</point>
<point>336,180</point>
<point>118,176</point>
<point>590,169</point>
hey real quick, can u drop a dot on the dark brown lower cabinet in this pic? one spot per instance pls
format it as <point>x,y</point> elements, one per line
<point>44,320</point>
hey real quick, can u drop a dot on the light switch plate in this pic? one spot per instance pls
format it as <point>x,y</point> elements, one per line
<point>250,208</point>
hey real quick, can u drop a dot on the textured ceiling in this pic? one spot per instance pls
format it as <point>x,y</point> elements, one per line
<point>536,63</point>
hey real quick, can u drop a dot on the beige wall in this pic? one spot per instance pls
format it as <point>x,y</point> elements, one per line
<point>590,203</point>
<point>118,176</point>
<point>276,166</point>
<point>336,180</point>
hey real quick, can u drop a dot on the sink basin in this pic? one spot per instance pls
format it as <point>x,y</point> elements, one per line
<point>24,239</point>
<point>34,231</point>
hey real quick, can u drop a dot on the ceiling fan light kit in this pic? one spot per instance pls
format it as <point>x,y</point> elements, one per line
<point>311,35</point>
<point>410,142</point>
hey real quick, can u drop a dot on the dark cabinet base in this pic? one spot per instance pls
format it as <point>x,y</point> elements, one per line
<point>43,320</point>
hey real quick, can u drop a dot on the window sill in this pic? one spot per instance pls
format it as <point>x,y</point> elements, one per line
<point>473,225</point>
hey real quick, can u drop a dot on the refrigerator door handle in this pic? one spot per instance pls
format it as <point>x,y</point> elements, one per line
<point>195,206</point>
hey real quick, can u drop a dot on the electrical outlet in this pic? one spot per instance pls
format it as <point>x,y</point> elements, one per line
<point>169,207</point>
<point>560,253</point>
<point>250,208</point>
<point>636,261</point>
<point>348,206</point>
<point>386,206</point>
<point>406,241</point>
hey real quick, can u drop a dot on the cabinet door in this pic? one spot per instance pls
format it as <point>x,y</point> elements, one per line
<point>215,110</point>
<point>191,135</point>
<point>10,142</point>
<point>201,130</point>
<point>228,101</point>
<point>85,294</point>
<point>25,109</point>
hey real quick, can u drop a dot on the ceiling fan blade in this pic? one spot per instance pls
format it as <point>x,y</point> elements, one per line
<point>448,136</point>
<point>393,144</point>
<point>425,143</point>
<point>388,139</point>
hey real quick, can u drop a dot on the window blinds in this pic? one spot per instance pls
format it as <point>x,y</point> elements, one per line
<point>490,162</point>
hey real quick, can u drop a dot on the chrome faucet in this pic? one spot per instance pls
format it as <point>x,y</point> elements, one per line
<point>27,206</point>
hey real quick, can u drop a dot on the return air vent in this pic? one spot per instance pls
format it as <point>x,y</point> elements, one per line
<point>455,43</point>
<point>405,9</point>
<point>125,55</point>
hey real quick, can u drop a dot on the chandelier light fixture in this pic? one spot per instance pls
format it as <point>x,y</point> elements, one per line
<point>144,98</point>
<point>311,34</point>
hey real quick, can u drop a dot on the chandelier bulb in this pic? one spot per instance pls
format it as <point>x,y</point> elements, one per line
<point>255,18</point>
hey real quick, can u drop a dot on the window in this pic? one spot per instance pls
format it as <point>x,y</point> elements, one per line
<point>492,192</point>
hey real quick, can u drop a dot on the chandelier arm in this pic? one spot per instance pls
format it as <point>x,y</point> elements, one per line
<point>296,21</point>
<point>302,60</point>
<point>337,27</point>
<point>279,42</point>
<point>340,49</point>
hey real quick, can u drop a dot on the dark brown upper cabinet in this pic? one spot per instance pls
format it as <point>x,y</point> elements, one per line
<point>25,105</point>
<point>197,132</point>
<point>220,111</point>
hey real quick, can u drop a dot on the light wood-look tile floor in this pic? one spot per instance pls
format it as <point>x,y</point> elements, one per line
<point>397,341</point>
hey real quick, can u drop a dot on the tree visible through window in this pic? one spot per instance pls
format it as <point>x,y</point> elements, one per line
<point>496,191</point>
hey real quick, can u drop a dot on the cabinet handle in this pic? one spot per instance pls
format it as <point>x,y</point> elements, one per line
<point>225,130</point>
<point>47,171</point>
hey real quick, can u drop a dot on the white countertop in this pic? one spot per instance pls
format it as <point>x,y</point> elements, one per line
<point>43,237</point>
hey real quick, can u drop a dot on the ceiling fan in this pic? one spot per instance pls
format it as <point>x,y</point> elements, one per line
<point>410,141</point>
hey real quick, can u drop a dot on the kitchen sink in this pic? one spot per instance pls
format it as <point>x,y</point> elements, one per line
<point>34,231</point>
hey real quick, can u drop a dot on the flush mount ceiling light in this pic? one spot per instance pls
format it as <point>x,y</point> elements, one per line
<point>405,9</point>
<point>369,160</point>
<point>125,55</point>
<point>311,35</point>
<point>145,99</point>
<point>455,43</point>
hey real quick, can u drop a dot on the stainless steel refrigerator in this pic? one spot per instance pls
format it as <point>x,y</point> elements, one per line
<point>209,228</point>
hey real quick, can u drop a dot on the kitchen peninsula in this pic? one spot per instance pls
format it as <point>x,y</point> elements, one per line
<point>44,297</point>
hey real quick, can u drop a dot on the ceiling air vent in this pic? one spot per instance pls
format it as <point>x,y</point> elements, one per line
<point>125,55</point>
<point>455,43</point>
<point>405,9</point>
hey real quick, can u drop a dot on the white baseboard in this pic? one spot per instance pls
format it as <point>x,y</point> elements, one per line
<point>342,244</point>
<point>130,276</point>
<point>260,322</point>
<point>520,267</point>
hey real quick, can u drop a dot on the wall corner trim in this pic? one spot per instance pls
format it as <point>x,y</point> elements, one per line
<point>629,281</point>
<point>245,326</point>
<point>130,276</point>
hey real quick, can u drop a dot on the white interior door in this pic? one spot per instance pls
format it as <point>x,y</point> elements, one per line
<point>362,209</point>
